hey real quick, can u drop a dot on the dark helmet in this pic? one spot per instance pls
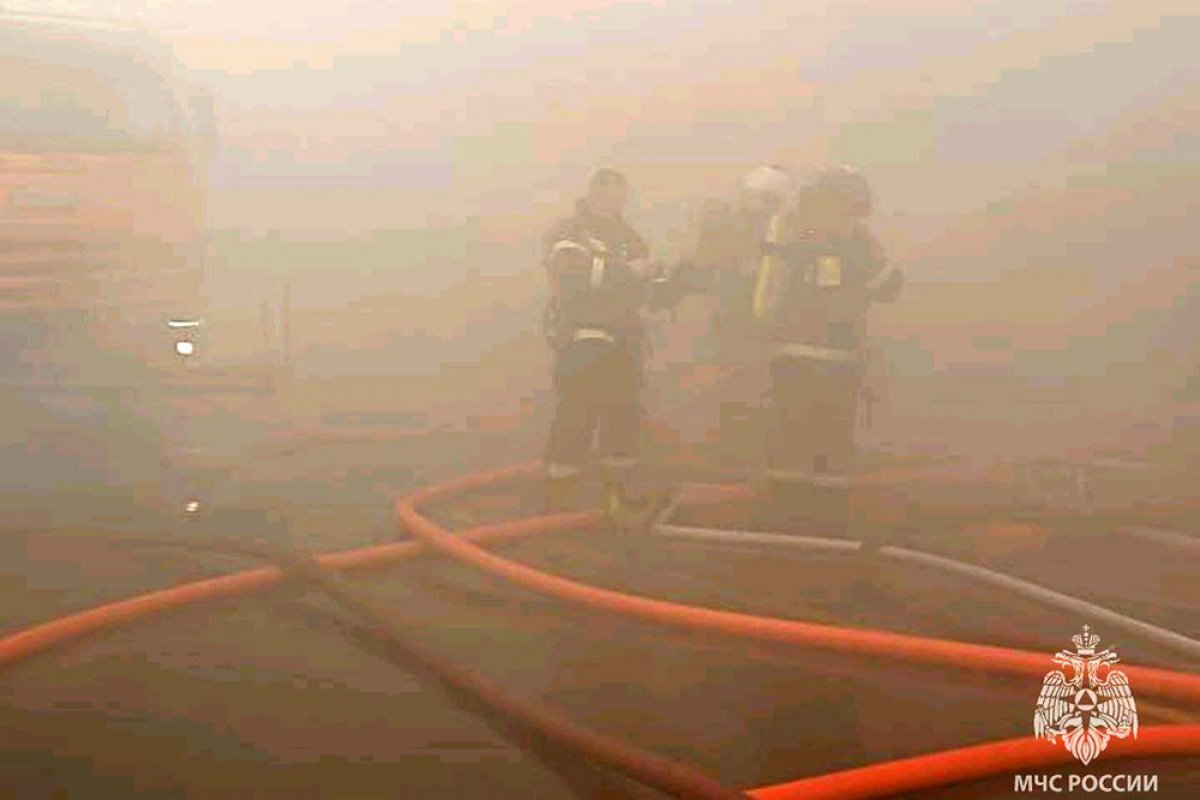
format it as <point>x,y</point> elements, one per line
<point>846,184</point>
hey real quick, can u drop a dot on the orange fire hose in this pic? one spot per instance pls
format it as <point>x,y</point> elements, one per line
<point>25,643</point>
<point>1011,756</point>
<point>543,731</point>
<point>860,641</point>
<point>875,781</point>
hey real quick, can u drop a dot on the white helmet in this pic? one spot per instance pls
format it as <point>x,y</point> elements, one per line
<point>771,180</point>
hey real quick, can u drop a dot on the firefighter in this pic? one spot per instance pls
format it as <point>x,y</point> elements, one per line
<point>726,256</point>
<point>726,358</point>
<point>600,275</point>
<point>821,271</point>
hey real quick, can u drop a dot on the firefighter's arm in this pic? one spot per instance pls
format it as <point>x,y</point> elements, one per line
<point>770,269</point>
<point>668,288</point>
<point>886,283</point>
<point>638,254</point>
<point>886,279</point>
<point>551,249</point>
<point>885,286</point>
<point>568,264</point>
<point>714,249</point>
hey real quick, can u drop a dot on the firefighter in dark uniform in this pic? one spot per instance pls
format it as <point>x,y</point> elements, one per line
<point>821,271</point>
<point>599,274</point>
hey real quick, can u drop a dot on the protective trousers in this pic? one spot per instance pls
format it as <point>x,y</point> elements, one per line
<point>597,384</point>
<point>811,443</point>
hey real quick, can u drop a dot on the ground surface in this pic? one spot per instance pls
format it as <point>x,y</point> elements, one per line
<point>262,698</point>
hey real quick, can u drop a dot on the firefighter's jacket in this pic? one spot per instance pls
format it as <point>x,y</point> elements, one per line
<point>814,290</point>
<point>598,288</point>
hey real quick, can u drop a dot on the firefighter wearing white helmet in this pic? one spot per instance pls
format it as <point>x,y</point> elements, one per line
<point>718,271</point>
<point>726,255</point>
<point>813,294</point>
<point>765,189</point>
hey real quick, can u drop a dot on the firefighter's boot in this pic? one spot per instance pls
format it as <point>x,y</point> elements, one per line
<point>564,492</point>
<point>616,474</point>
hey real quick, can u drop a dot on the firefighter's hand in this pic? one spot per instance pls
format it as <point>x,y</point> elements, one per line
<point>669,289</point>
<point>641,266</point>
<point>662,294</point>
<point>687,278</point>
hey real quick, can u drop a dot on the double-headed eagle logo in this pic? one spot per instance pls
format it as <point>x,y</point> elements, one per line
<point>1086,702</point>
